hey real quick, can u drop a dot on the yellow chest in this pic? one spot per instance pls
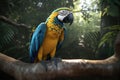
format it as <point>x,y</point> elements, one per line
<point>51,39</point>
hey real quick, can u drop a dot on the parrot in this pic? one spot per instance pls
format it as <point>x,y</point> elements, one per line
<point>49,35</point>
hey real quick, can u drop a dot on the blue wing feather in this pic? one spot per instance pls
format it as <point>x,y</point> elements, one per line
<point>61,42</point>
<point>36,41</point>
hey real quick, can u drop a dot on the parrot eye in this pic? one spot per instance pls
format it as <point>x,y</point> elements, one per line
<point>64,12</point>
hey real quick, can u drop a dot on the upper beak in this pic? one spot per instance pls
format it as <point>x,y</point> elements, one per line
<point>69,19</point>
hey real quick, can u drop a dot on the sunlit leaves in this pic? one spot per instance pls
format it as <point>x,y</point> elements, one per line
<point>87,20</point>
<point>105,10</point>
<point>86,7</point>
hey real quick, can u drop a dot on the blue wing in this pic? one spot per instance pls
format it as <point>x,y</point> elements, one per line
<point>36,41</point>
<point>61,42</point>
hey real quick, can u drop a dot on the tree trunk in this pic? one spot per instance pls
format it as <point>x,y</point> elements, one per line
<point>107,20</point>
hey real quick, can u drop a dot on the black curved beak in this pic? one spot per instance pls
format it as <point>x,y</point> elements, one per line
<point>69,19</point>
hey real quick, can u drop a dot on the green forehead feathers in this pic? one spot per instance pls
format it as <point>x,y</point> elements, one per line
<point>63,8</point>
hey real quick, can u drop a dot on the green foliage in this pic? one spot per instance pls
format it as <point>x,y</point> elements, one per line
<point>115,28</point>
<point>86,8</point>
<point>110,36</point>
<point>106,44</point>
<point>109,26</point>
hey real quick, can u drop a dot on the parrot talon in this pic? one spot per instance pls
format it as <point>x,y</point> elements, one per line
<point>56,61</point>
<point>44,63</point>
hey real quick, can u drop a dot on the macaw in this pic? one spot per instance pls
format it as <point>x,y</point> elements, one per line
<point>48,36</point>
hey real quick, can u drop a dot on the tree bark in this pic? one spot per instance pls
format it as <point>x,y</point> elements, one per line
<point>66,68</point>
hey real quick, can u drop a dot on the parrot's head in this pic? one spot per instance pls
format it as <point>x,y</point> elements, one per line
<point>65,15</point>
<point>61,15</point>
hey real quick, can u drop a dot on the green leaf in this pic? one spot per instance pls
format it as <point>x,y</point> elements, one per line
<point>105,10</point>
<point>113,28</point>
<point>105,38</point>
<point>109,36</point>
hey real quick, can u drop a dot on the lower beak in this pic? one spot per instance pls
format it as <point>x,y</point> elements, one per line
<point>69,19</point>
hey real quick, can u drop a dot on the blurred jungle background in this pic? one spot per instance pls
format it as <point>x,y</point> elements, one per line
<point>91,36</point>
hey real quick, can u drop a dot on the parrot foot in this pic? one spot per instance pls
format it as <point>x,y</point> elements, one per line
<point>44,63</point>
<point>56,60</point>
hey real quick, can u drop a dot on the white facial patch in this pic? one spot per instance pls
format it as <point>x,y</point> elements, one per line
<point>61,17</point>
<point>62,14</point>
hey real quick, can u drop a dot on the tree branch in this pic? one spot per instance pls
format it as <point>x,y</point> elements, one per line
<point>65,68</point>
<point>6,20</point>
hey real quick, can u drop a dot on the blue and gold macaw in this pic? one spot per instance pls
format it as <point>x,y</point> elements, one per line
<point>49,35</point>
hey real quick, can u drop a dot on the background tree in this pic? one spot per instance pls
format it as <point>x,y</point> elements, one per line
<point>110,25</point>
